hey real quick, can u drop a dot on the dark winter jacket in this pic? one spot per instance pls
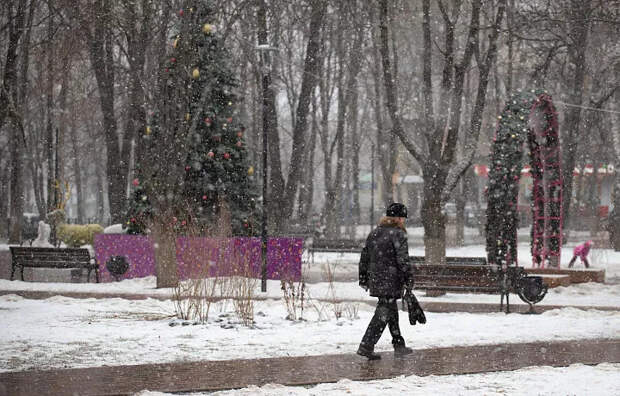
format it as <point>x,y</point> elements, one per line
<point>384,264</point>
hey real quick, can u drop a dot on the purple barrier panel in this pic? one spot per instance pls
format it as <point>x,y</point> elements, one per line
<point>198,256</point>
<point>138,250</point>
<point>284,258</point>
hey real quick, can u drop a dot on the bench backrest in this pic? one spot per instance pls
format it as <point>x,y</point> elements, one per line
<point>337,244</point>
<point>50,257</point>
<point>466,276</point>
<point>454,260</point>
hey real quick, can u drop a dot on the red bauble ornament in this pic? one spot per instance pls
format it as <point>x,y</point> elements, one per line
<point>239,143</point>
<point>173,60</point>
<point>181,12</point>
<point>226,156</point>
<point>229,120</point>
<point>245,225</point>
<point>204,197</point>
<point>187,168</point>
<point>239,134</point>
<point>183,222</point>
<point>135,182</point>
<point>208,121</point>
<point>133,219</point>
<point>210,154</point>
<point>167,70</point>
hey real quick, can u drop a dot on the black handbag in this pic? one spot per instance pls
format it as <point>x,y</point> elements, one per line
<point>416,314</point>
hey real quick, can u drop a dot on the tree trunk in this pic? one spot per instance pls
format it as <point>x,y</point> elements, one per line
<point>579,29</point>
<point>311,66</point>
<point>99,188</point>
<point>433,221</point>
<point>49,108</point>
<point>306,192</point>
<point>270,124</point>
<point>8,103</point>
<point>101,49</point>
<point>461,200</point>
<point>17,193</point>
<point>4,192</point>
<point>15,27</point>
<point>77,174</point>
<point>614,217</point>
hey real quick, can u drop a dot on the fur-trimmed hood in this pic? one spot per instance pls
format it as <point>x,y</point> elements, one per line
<point>387,221</point>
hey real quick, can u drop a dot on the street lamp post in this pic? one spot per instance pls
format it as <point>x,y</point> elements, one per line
<point>372,186</point>
<point>266,86</point>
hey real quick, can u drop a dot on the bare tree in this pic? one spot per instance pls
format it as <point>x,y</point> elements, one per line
<point>440,173</point>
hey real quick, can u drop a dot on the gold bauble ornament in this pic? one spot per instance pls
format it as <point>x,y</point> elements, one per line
<point>207,28</point>
<point>250,171</point>
<point>176,42</point>
<point>148,130</point>
<point>196,73</point>
<point>186,116</point>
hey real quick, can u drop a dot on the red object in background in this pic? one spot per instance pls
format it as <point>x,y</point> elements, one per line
<point>526,171</point>
<point>481,170</point>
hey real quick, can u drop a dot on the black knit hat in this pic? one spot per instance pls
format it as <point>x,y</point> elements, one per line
<point>396,210</point>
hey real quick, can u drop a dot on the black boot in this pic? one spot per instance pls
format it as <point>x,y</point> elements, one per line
<point>401,350</point>
<point>368,352</point>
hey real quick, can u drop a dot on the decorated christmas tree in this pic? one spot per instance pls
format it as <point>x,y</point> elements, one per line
<point>528,115</point>
<point>192,163</point>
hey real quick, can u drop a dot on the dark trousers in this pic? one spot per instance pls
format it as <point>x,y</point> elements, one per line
<point>386,313</point>
<point>584,260</point>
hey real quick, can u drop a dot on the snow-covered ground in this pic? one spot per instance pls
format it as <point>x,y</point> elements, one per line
<point>61,332</point>
<point>577,379</point>
<point>589,294</point>
<point>585,294</point>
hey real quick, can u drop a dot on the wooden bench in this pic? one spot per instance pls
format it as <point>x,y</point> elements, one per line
<point>336,246</point>
<point>453,260</point>
<point>36,257</point>
<point>471,278</point>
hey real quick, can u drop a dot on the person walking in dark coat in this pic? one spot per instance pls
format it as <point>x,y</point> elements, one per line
<point>385,271</point>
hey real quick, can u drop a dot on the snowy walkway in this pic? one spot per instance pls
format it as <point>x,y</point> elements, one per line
<point>304,370</point>
<point>516,305</point>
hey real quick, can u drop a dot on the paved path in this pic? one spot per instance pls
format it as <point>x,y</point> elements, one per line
<point>430,306</point>
<point>304,370</point>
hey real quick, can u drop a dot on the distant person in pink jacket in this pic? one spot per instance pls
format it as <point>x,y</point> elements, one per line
<point>581,251</point>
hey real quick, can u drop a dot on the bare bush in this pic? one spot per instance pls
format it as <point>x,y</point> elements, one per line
<point>351,311</point>
<point>294,295</point>
<point>193,298</point>
<point>336,305</point>
<point>242,286</point>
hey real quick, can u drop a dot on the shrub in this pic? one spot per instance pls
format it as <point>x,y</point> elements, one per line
<point>76,235</point>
